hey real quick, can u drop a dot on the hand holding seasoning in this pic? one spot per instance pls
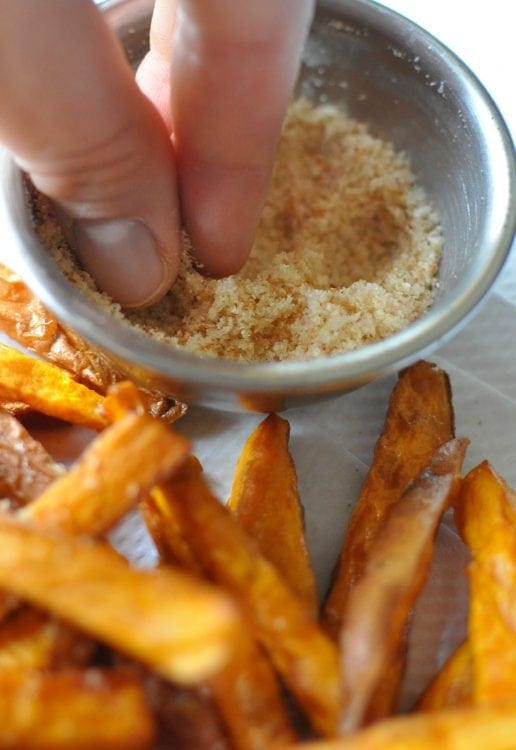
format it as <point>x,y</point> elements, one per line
<point>100,145</point>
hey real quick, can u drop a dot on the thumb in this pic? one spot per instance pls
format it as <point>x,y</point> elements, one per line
<point>77,123</point>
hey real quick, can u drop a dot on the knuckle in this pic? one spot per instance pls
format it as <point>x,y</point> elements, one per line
<point>95,173</point>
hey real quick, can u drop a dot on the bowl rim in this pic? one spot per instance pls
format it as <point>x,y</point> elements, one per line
<point>121,340</point>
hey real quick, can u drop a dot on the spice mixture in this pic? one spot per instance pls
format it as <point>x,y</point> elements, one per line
<point>347,253</point>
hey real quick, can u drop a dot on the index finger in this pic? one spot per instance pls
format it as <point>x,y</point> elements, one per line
<point>234,66</point>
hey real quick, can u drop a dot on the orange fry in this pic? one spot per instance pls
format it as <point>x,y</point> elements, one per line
<point>115,471</point>
<point>486,517</point>
<point>121,398</point>
<point>247,692</point>
<point>48,389</point>
<point>302,654</point>
<point>248,697</point>
<point>26,469</point>
<point>16,408</point>
<point>379,605</point>
<point>73,710</point>
<point>30,639</point>
<point>26,321</point>
<point>489,728</point>
<point>419,420</point>
<point>453,684</point>
<point>265,501</point>
<point>182,627</point>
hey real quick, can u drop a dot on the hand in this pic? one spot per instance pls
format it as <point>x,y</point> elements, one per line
<point>218,78</point>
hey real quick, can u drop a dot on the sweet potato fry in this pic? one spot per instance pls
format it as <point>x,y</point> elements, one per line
<point>456,729</point>
<point>73,710</point>
<point>15,408</point>
<point>419,420</point>
<point>26,321</point>
<point>22,317</point>
<point>26,469</point>
<point>183,628</point>
<point>247,692</point>
<point>379,605</point>
<point>121,398</point>
<point>453,684</point>
<point>30,639</point>
<point>248,697</point>
<point>302,654</point>
<point>48,389</point>
<point>115,471</point>
<point>486,517</point>
<point>265,501</point>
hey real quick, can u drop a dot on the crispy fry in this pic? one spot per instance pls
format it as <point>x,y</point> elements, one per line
<point>165,525</point>
<point>121,398</point>
<point>265,501</point>
<point>22,317</point>
<point>15,408</point>
<point>300,651</point>
<point>48,389</point>
<point>379,605</point>
<point>457,729</point>
<point>116,471</point>
<point>183,628</point>
<point>73,710</point>
<point>486,517</point>
<point>26,469</point>
<point>247,692</point>
<point>453,684</point>
<point>26,321</point>
<point>419,420</point>
<point>248,697</point>
<point>30,639</point>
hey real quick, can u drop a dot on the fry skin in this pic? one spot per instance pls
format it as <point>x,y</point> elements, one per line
<point>182,627</point>
<point>26,469</point>
<point>26,321</point>
<point>453,684</point>
<point>300,651</point>
<point>113,474</point>
<point>378,607</point>
<point>419,419</point>
<point>265,501</point>
<point>74,710</point>
<point>48,389</point>
<point>247,692</point>
<point>486,518</point>
<point>488,728</point>
<point>30,639</point>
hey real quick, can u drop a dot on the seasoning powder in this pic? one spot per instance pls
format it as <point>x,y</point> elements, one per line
<point>347,253</point>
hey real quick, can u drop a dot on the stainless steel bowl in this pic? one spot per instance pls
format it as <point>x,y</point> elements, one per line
<point>412,91</point>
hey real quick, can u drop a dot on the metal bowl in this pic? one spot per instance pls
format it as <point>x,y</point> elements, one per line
<point>412,91</point>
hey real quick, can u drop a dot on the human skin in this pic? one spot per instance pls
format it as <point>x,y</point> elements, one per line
<point>127,162</point>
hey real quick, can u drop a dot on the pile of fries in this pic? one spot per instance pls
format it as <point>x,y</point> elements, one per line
<point>224,645</point>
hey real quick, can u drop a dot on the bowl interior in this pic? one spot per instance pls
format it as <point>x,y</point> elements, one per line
<point>417,94</point>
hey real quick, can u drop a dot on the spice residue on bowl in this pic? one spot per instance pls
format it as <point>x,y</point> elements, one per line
<point>347,253</point>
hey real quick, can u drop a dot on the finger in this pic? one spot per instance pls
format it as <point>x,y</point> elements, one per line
<point>234,64</point>
<point>76,121</point>
<point>153,74</point>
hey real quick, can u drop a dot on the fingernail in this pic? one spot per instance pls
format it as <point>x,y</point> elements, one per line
<point>123,258</point>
